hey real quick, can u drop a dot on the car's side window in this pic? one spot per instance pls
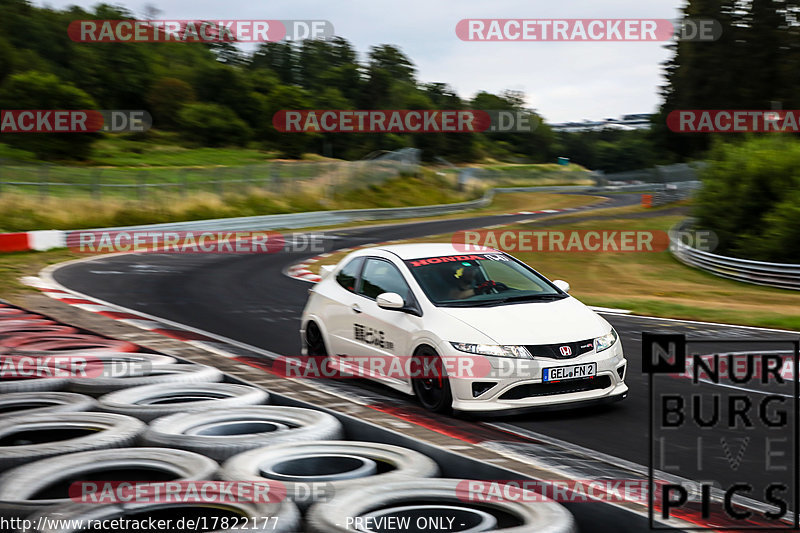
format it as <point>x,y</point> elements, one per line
<point>348,276</point>
<point>381,276</point>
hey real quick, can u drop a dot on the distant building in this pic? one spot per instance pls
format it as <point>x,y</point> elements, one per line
<point>637,121</point>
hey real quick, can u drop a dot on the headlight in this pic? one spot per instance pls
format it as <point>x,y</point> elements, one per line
<point>606,341</point>
<point>493,349</point>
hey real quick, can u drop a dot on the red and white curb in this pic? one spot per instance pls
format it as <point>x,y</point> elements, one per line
<point>126,316</point>
<point>545,211</point>
<point>32,240</point>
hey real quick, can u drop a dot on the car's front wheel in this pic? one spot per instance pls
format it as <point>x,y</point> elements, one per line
<point>315,344</point>
<point>432,387</point>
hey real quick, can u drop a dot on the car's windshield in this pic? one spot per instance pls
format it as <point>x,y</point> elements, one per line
<point>479,280</point>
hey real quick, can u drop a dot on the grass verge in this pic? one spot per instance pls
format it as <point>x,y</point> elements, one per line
<point>13,266</point>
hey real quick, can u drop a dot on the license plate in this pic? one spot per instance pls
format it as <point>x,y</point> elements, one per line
<point>586,370</point>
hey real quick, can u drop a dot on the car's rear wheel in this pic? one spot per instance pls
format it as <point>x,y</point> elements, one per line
<point>432,387</point>
<point>315,344</point>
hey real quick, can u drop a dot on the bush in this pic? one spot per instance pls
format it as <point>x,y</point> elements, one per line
<point>751,198</point>
<point>37,90</point>
<point>166,98</point>
<point>212,125</point>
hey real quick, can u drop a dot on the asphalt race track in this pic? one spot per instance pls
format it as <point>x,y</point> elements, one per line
<point>247,298</point>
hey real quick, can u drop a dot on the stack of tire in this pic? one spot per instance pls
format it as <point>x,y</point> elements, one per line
<point>177,421</point>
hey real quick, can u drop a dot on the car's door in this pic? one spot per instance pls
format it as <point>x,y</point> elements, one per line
<point>384,333</point>
<point>340,309</point>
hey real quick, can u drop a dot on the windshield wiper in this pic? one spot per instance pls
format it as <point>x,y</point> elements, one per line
<point>532,297</point>
<point>510,299</point>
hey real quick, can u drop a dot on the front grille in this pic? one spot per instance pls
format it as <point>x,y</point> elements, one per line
<point>530,390</point>
<point>553,351</point>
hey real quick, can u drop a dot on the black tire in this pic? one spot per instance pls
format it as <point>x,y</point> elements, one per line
<point>169,373</point>
<point>223,435</point>
<point>448,496</point>
<point>33,385</point>
<point>281,517</point>
<point>64,433</point>
<point>145,402</point>
<point>315,343</point>
<point>433,392</point>
<point>32,487</point>
<point>34,403</point>
<point>392,462</point>
<point>151,359</point>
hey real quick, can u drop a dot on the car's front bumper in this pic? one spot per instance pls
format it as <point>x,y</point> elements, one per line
<point>505,393</point>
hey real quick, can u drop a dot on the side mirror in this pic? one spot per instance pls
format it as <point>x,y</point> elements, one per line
<point>561,284</point>
<point>390,300</point>
<point>326,270</point>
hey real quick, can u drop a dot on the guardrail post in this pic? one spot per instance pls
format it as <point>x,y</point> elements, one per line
<point>247,173</point>
<point>275,176</point>
<point>140,188</point>
<point>96,184</point>
<point>43,185</point>
<point>183,182</point>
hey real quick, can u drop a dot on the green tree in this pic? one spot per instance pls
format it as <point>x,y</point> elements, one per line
<point>750,197</point>
<point>165,100</point>
<point>280,58</point>
<point>212,125</point>
<point>7,59</point>
<point>287,97</point>
<point>386,66</point>
<point>38,90</point>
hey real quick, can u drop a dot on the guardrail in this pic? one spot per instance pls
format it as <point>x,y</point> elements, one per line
<point>779,275</point>
<point>330,218</point>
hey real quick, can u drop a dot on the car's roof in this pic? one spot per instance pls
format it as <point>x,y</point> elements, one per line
<point>432,249</point>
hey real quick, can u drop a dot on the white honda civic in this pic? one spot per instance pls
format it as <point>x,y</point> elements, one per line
<point>469,331</point>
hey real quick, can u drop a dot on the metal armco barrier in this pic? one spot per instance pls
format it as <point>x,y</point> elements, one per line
<point>780,275</point>
<point>329,218</point>
<point>45,240</point>
<point>672,193</point>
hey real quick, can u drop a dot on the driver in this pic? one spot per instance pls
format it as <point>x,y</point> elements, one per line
<point>464,281</point>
